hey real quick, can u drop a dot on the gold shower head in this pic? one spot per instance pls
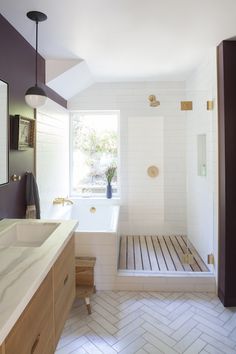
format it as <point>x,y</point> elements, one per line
<point>153,101</point>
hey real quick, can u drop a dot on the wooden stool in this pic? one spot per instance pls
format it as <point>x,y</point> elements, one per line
<point>84,272</point>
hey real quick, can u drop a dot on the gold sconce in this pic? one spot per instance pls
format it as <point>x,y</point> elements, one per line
<point>153,101</point>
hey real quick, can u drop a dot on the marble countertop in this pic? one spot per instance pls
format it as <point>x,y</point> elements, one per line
<point>22,269</point>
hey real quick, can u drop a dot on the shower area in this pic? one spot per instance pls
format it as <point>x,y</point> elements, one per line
<point>169,220</point>
<point>169,194</point>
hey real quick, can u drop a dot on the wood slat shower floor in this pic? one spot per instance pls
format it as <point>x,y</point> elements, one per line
<point>158,254</point>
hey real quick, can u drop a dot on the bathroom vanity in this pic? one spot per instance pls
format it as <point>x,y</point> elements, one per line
<point>37,284</point>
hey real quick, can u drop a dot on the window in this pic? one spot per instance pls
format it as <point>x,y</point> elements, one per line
<point>94,148</point>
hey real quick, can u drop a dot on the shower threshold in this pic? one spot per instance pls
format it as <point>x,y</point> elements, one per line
<point>163,255</point>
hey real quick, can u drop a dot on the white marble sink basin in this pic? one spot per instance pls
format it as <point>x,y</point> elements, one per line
<point>27,234</point>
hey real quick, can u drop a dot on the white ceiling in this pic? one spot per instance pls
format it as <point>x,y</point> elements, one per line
<point>126,40</point>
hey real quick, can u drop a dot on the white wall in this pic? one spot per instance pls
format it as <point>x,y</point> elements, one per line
<point>145,195</point>
<point>52,154</point>
<point>148,206</point>
<point>202,191</point>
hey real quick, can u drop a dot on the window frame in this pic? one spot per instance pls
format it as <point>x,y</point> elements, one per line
<point>93,195</point>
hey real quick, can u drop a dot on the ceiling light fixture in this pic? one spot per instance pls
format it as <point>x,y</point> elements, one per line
<point>35,96</point>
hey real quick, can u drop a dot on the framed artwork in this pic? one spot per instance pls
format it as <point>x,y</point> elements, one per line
<point>22,133</point>
<point>4,132</point>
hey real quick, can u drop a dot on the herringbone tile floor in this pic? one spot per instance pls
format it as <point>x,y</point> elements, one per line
<point>148,322</point>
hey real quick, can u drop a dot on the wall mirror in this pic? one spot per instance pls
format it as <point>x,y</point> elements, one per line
<point>4,134</point>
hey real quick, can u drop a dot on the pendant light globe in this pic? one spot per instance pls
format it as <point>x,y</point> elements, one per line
<point>35,97</point>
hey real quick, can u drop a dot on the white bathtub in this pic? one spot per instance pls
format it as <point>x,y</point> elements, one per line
<point>97,236</point>
<point>91,217</point>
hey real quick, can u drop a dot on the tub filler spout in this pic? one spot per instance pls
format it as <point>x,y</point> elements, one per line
<point>62,201</point>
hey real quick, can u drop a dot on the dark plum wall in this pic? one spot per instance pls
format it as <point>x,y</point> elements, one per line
<point>17,60</point>
<point>227,172</point>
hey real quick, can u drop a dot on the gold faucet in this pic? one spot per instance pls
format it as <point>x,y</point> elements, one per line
<point>63,201</point>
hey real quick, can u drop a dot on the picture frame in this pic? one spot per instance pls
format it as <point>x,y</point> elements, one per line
<point>22,133</point>
<point>4,133</point>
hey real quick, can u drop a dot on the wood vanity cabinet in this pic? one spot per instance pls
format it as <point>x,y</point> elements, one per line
<point>33,332</point>
<point>64,286</point>
<point>39,327</point>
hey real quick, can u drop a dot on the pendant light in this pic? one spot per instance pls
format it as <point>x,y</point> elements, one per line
<point>35,96</point>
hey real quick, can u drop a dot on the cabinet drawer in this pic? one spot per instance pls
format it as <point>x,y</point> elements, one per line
<point>64,286</point>
<point>33,332</point>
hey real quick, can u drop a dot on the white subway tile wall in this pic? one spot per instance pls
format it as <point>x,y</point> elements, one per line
<point>148,136</point>
<point>52,154</point>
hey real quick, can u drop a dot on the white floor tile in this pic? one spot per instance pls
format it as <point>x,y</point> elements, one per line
<point>150,322</point>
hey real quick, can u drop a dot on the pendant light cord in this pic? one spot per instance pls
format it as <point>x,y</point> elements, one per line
<point>36,56</point>
<point>35,96</point>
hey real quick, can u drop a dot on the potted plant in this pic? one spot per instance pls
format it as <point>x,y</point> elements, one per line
<point>110,173</point>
